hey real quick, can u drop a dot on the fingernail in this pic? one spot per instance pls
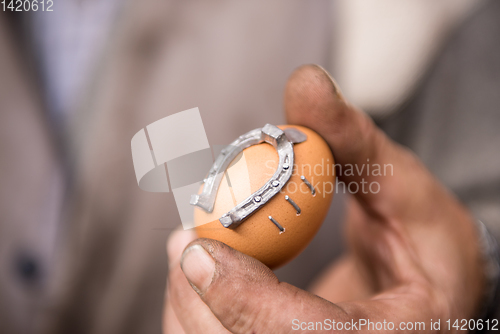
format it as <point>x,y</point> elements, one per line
<point>336,87</point>
<point>198,266</point>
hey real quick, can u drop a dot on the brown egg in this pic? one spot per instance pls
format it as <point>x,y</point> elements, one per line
<point>258,236</point>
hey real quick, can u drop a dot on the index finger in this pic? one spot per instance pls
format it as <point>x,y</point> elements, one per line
<point>362,151</point>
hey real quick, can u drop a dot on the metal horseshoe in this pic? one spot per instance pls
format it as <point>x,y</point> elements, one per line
<point>282,141</point>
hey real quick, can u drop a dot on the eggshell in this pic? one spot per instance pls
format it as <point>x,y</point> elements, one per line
<point>257,236</point>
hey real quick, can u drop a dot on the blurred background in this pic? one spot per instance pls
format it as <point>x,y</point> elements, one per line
<point>82,248</point>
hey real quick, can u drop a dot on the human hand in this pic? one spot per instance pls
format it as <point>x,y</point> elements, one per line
<point>413,250</point>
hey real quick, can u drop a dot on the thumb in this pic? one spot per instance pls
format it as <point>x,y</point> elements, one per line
<point>244,294</point>
<point>246,297</point>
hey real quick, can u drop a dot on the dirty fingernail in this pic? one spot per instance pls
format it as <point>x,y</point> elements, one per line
<point>198,266</point>
<point>335,85</point>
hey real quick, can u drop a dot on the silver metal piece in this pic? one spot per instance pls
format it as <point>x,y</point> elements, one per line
<point>277,224</point>
<point>295,206</point>
<point>313,191</point>
<point>295,136</point>
<point>270,134</point>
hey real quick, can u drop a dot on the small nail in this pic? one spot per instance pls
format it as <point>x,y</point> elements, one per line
<point>198,266</point>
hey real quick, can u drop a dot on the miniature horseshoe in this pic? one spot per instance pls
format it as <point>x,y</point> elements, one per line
<point>282,141</point>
